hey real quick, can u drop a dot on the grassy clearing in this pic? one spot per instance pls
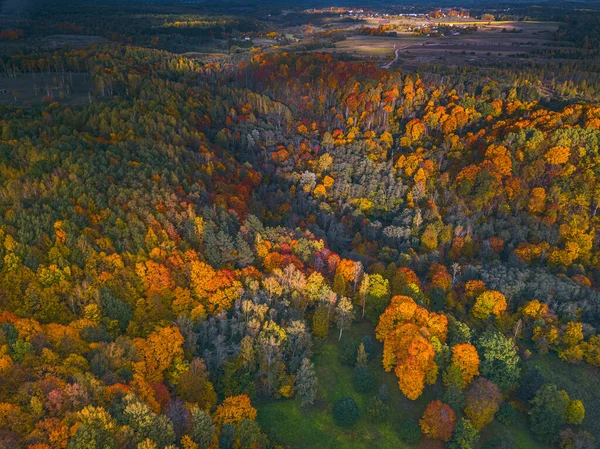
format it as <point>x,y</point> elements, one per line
<point>287,423</point>
<point>580,381</point>
<point>519,431</point>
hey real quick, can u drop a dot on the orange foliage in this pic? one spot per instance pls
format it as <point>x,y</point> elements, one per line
<point>465,356</point>
<point>408,276</point>
<point>497,244</point>
<point>557,155</point>
<point>158,351</point>
<point>234,409</point>
<point>405,329</point>
<point>537,200</point>
<point>439,277</point>
<point>535,309</point>
<point>438,421</point>
<point>216,289</point>
<point>500,158</point>
<point>528,252</point>
<point>347,268</point>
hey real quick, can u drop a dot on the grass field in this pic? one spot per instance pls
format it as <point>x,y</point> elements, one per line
<point>287,423</point>
<point>580,381</point>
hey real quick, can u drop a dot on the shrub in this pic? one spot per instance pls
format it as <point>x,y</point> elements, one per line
<point>548,412</point>
<point>465,435</point>
<point>502,441</point>
<point>367,342</point>
<point>377,409</point>
<point>348,351</point>
<point>410,432</point>
<point>531,382</point>
<point>507,414</point>
<point>346,412</point>
<point>454,397</point>
<point>362,379</point>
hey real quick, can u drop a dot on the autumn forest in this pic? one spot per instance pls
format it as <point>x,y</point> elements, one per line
<point>250,225</point>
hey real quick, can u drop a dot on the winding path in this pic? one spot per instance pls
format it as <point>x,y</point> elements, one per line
<point>404,47</point>
<point>397,53</point>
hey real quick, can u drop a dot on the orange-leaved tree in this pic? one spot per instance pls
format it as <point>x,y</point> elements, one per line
<point>438,421</point>
<point>234,409</point>
<point>158,352</point>
<point>465,357</point>
<point>406,330</point>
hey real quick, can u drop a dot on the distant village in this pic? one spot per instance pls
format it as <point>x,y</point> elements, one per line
<point>390,23</point>
<point>387,17</point>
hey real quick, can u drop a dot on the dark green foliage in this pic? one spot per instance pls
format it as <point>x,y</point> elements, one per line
<point>345,412</point>
<point>531,381</point>
<point>377,409</point>
<point>115,309</point>
<point>409,431</point>
<point>20,349</point>
<point>528,93</point>
<point>237,381</point>
<point>506,414</point>
<point>245,256</point>
<point>437,299</point>
<point>306,383</point>
<point>454,397</point>
<point>227,436</point>
<point>202,428</point>
<point>367,342</point>
<point>348,351</point>
<point>499,360</point>
<point>95,334</point>
<point>547,414</point>
<point>502,441</point>
<point>362,379</point>
<point>250,436</point>
<point>10,333</point>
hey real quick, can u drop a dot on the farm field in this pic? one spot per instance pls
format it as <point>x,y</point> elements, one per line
<point>488,45</point>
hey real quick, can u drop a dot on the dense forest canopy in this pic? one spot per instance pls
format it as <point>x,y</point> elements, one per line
<point>217,232</point>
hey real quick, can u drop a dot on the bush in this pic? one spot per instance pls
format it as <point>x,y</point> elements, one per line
<point>362,379</point>
<point>384,393</point>
<point>507,414</point>
<point>348,351</point>
<point>465,436</point>
<point>367,342</point>
<point>377,409</point>
<point>502,441</point>
<point>454,397</point>
<point>548,412</point>
<point>346,412</point>
<point>531,382</point>
<point>410,432</point>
